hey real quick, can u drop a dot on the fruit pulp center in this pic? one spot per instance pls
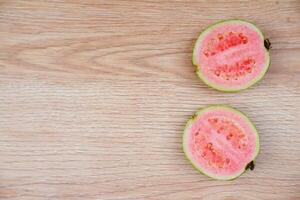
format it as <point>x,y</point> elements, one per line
<point>220,143</point>
<point>223,42</point>
<point>231,55</point>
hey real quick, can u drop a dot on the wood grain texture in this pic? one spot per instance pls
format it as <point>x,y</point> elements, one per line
<point>94,96</point>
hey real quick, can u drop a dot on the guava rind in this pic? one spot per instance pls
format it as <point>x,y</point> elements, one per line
<point>186,132</point>
<point>224,88</point>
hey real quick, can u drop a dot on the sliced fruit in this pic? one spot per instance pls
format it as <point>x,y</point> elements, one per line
<point>221,142</point>
<point>231,55</point>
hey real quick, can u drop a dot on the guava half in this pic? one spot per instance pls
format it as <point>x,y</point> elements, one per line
<point>221,142</point>
<point>231,55</point>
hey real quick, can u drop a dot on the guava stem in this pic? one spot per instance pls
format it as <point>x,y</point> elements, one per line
<point>267,44</point>
<point>250,165</point>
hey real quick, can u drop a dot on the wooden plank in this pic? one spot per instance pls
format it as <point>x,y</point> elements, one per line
<point>95,94</point>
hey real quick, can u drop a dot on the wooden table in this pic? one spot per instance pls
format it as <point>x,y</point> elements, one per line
<point>94,97</point>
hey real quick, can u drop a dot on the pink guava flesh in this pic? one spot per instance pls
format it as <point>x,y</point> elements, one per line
<point>221,142</point>
<point>231,55</point>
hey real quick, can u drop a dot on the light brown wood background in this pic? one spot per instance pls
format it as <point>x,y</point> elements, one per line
<point>94,96</point>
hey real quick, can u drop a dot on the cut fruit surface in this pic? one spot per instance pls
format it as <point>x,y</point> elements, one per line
<point>231,55</point>
<point>221,142</point>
